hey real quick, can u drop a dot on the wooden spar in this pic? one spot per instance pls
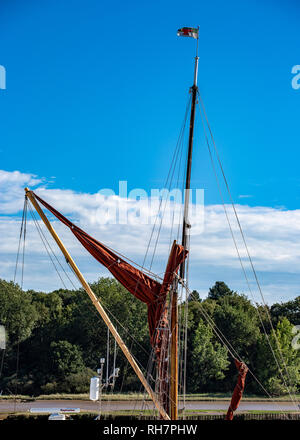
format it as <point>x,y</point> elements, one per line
<point>185,226</point>
<point>98,305</point>
<point>173,349</point>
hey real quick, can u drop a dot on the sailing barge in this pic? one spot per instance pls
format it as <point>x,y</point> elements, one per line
<point>161,297</point>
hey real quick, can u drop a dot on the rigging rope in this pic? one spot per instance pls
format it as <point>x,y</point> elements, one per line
<point>244,241</point>
<point>46,243</point>
<point>178,152</point>
<point>22,236</point>
<point>250,290</point>
<point>168,184</point>
<point>186,310</point>
<point>231,350</point>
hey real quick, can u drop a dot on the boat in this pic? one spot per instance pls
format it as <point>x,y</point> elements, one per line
<point>159,294</point>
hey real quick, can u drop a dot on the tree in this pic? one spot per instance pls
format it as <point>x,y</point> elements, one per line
<point>219,290</point>
<point>238,320</point>
<point>208,360</point>
<point>65,359</point>
<point>17,313</point>
<point>87,330</point>
<point>289,309</point>
<point>52,322</point>
<point>194,296</point>
<point>58,337</point>
<point>277,362</point>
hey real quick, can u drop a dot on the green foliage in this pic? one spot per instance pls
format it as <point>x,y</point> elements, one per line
<point>57,339</point>
<point>289,310</point>
<point>237,318</point>
<point>65,358</point>
<point>219,290</point>
<point>194,296</point>
<point>17,313</point>
<point>75,383</point>
<point>282,376</point>
<point>208,360</point>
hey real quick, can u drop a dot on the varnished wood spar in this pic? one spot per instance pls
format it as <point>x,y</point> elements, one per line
<point>174,357</point>
<point>98,305</point>
<point>174,351</point>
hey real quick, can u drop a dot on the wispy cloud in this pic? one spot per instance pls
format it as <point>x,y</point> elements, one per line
<point>12,190</point>
<point>245,196</point>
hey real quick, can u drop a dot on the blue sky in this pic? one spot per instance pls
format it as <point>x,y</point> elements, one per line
<point>96,93</point>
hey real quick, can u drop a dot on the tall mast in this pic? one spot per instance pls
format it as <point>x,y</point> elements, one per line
<point>185,227</point>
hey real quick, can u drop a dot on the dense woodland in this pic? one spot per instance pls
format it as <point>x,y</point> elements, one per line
<point>55,340</point>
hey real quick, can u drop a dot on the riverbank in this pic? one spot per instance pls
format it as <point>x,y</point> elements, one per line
<point>148,415</point>
<point>141,397</point>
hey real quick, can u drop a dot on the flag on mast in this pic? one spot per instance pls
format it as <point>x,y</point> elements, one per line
<point>188,32</point>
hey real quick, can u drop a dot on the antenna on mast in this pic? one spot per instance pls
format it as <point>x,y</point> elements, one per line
<point>196,59</point>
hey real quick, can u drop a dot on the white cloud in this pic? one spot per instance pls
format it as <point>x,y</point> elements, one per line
<point>12,190</point>
<point>272,235</point>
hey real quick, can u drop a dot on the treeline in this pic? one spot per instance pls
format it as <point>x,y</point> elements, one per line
<point>55,340</point>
